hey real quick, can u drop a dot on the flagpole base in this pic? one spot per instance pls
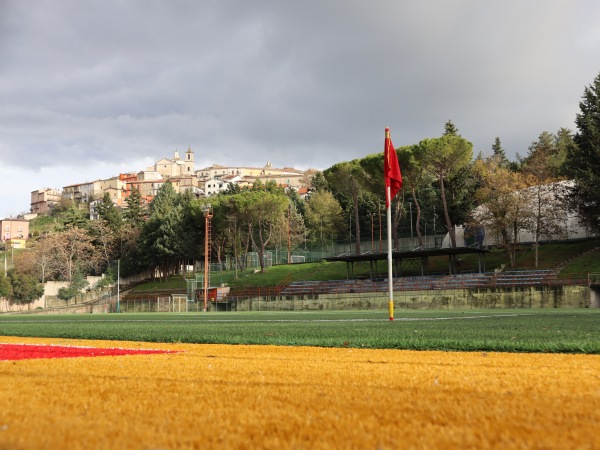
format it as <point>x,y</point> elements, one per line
<point>391,309</point>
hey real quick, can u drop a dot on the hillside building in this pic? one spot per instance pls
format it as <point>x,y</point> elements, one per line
<point>216,178</point>
<point>43,200</point>
<point>84,193</point>
<point>180,172</point>
<point>15,232</point>
<point>175,167</point>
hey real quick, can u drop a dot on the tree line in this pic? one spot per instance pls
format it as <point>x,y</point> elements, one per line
<point>442,181</point>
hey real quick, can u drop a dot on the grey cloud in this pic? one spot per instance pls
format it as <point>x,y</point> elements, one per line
<point>297,83</point>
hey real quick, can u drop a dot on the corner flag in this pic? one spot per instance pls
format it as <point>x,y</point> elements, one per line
<point>393,183</point>
<point>391,170</point>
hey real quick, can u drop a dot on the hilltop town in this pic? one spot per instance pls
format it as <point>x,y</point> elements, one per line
<point>180,172</point>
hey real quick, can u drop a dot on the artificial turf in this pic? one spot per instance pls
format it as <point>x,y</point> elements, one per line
<point>508,330</point>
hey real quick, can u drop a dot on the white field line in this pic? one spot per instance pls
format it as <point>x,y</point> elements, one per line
<point>401,319</point>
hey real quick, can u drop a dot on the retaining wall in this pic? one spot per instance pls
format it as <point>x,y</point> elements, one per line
<point>519,297</point>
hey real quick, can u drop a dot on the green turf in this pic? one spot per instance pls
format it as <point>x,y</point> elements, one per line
<point>522,330</point>
<point>569,256</point>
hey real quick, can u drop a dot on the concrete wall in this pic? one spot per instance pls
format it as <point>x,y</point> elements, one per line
<point>525,297</point>
<point>50,298</point>
<point>594,298</point>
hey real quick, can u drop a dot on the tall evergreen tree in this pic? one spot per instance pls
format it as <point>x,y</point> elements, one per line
<point>450,129</point>
<point>160,236</point>
<point>324,217</point>
<point>416,178</point>
<point>373,187</point>
<point>134,214</point>
<point>108,212</point>
<point>74,217</point>
<point>565,143</point>
<point>444,157</point>
<point>345,180</point>
<point>460,192</point>
<point>319,182</point>
<point>499,153</point>
<point>583,160</point>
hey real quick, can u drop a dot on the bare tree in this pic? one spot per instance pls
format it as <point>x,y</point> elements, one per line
<point>540,171</point>
<point>503,202</point>
<point>74,253</point>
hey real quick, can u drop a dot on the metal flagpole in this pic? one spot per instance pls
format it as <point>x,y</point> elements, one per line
<point>389,256</point>
<point>393,183</point>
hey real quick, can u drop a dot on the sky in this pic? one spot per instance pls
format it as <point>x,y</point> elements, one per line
<point>90,89</point>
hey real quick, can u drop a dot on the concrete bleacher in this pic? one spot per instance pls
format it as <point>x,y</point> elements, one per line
<point>524,278</point>
<point>427,282</point>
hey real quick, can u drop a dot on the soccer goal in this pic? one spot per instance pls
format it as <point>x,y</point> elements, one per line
<point>298,259</point>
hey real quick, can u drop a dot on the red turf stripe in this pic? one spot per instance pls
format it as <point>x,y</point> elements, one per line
<point>25,351</point>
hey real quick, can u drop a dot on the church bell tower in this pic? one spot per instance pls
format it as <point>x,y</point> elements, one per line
<point>189,161</point>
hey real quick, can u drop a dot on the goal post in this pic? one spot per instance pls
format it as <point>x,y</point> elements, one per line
<point>179,303</point>
<point>295,259</point>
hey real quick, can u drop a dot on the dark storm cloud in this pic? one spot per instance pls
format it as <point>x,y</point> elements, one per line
<point>120,84</point>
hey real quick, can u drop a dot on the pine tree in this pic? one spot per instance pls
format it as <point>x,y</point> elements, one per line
<point>75,217</point>
<point>499,153</point>
<point>160,236</point>
<point>108,212</point>
<point>134,214</point>
<point>450,129</point>
<point>583,160</point>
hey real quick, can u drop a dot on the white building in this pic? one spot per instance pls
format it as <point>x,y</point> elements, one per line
<point>214,186</point>
<point>568,225</point>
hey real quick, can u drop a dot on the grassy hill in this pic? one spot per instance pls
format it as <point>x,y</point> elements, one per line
<point>574,257</point>
<point>43,224</point>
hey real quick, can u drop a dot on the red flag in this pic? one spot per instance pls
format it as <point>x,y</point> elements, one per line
<point>391,169</point>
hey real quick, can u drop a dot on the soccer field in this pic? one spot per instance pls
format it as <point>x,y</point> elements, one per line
<point>103,390</point>
<point>512,330</point>
<point>273,397</point>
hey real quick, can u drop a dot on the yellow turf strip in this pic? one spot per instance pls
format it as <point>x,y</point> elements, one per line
<point>219,396</point>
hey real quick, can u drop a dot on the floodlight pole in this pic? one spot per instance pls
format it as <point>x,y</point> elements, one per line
<point>289,249</point>
<point>207,216</point>
<point>118,285</point>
